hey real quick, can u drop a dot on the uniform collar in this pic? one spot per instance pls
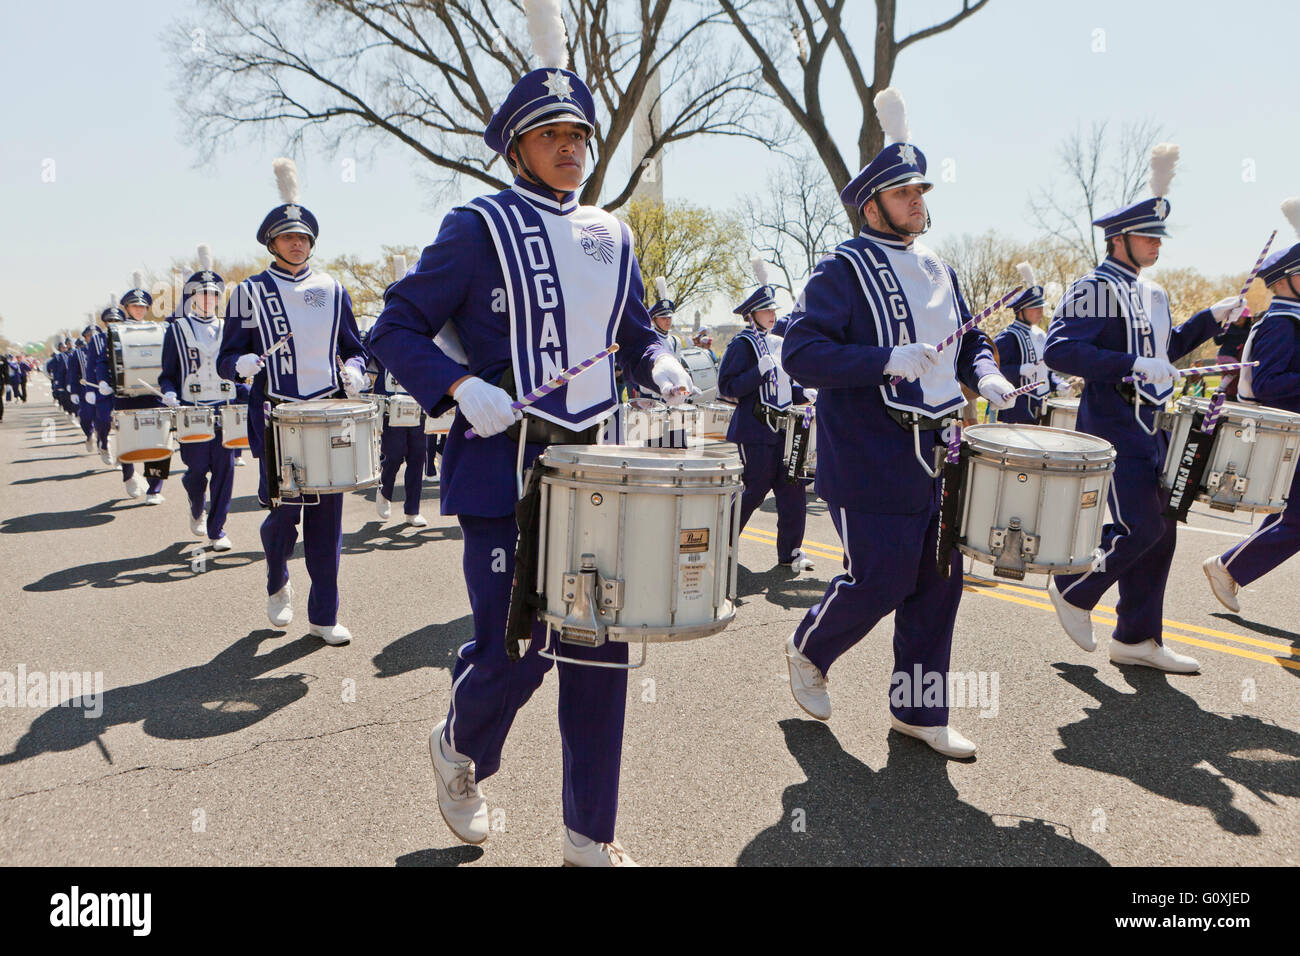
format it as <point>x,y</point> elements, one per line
<point>288,276</point>
<point>884,238</point>
<point>544,198</point>
<point>200,318</point>
<point>1115,265</point>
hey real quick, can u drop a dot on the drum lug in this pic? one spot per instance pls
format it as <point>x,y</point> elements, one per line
<point>1226,488</point>
<point>581,625</point>
<point>1011,546</point>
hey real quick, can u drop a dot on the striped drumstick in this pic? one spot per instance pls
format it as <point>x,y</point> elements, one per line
<point>541,391</point>
<point>276,347</point>
<point>1202,370</point>
<point>967,326</point>
<point>1258,262</point>
<point>954,444</point>
<point>1022,390</point>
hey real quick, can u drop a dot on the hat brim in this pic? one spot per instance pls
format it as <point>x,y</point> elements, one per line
<point>287,228</point>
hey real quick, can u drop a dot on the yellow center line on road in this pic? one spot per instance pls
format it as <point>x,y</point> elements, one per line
<point>1008,591</point>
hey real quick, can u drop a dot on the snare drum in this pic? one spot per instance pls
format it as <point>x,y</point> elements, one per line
<point>638,544</point>
<point>135,353</point>
<point>715,419</point>
<point>1034,498</point>
<point>195,423</point>
<point>799,425</point>
<point>1062,413</point>
<point>143,434</point>
<point>234,426</point>
<point>655,424</point>
<point>440,425</point>
<point>1253,458</point>
<point>326,446</point>
<point>403,411</point>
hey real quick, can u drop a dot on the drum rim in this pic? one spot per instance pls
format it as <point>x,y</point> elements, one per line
<point>971,435</point>
<point>634,634</point>
<point>705,462</point>
<point>294,413</point>
<point>1187,405</point>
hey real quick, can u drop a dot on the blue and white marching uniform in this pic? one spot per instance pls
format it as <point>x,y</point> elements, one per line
<point>400,444</point>
<point>874,294</point>
<point>1018,346</point>
<point>262,310</point>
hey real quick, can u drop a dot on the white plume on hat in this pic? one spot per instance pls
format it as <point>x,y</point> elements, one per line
<point>137,280</point>
<point>1027,274</point>
<point>892,114</point>
<point>760,270</point>
<point>661,284</point>
<point>205,257</point>
<point>546,30</point>
<point>1164,157</point>
<point>286,178</point>
<point>112,300</point>
<point>1291,209</point>
<point>399,267</point>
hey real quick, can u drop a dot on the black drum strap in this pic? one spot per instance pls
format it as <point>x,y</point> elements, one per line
<point>524,601</point>
<point>794,465</point>
<point>158,470</point>
<point>951,499</point>
<point>1193,457</point>
<point>270,458</point>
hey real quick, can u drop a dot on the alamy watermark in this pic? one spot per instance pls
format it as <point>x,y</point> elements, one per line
<point>922,688</point>
<point>23,688</point>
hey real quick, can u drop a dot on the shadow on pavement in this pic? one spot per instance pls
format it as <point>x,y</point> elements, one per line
<point>378,536</point>
<point>1267,630</point>
<point>34,481</point>
<point>176,562</point>
<point>223,696</point>
<point>1160,739</point>
<point>907,813</point>
<point>432,646</point>
<point>31,461</point>
<point>60,520</point>
<point>451,856</point>
<point>782,587</point>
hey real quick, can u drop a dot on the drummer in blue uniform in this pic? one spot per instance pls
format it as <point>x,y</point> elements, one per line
<point>874,311</point>
<point>189,377</point>
<point>84,392</point>
<point>763,391</point>
<point>99,346</point>
<point>1111,323</point>
<point>465,327</point>
<point>323,358</point>
<point>1274,342</point>
<point>1020,353</point>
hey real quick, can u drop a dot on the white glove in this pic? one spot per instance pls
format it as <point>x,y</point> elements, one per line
<point>248,365</point>
<point>1154,370</point>
<point>170,400</point>
<point>353,381</point>
<point>810,394</point>
<point>1029,370</point>
<point>105,388</point>
<point>90,398</point>
<point>912,361</point>
<point>488,409</point>
<point>995,388</point>
<point>75,400</point>
<point>674,383</point>
<point>1226,311</point>
<point>766,363</point>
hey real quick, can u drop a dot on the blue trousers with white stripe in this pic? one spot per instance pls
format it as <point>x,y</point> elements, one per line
<point>398,444</point>
<point>1137,550</point>
<point>1276,539</point>
<point>763,472</point>
<point>322,540</point>
<point>891,567</point>
<point>487,689</point>
<point>204,459</point>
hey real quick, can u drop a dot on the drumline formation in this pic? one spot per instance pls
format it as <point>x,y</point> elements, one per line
<point>591,522</point>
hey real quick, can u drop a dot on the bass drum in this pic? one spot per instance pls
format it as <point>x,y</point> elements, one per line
<point>135,355</point>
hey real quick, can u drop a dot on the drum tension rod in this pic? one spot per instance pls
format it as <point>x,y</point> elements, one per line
<point>582,625</point>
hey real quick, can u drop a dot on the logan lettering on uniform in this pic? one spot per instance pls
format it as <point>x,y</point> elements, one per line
<point>103,909</point>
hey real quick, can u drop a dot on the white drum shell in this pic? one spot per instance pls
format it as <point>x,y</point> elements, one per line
<point>655,424</point>
<point>234,426</point>
<point>403,411</point>
<point>326,446</point>
<point>1252,442</point>
<point>143,434</point>
<point>135,353</point>
<point>195,423</point>
<point>1058,492</point>
<point>667,532</point>
<point>714,420</point>
<point>440,425</point>
<point>1063,413</point>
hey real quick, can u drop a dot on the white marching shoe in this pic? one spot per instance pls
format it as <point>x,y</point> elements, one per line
<point>417,521</point>
<point>947,741</point>
<point>199,526</point>
<point>279,606</point>
<point>1151,654</point>
<point>593,853</point>
<point>461,802</point>
<point>222,543</point>
<point>1221,583</point>
<point>154,499</point>
<point>335,635</point>
<point>239,461</point>
<point>135,486</point>
<point>107,457</point>
<point>383,507</point>
<point>807,683</point>
<point>1076,621</point>
<point>90,443</point>
<point>800,562</point>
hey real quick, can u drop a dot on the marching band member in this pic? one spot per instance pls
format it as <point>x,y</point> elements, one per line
<point>400,444</point>
<point>323,355</point>
<point>55,368</point>
<point>763,390</point>
<point>1020,352</point>
<point>1112,322</point>
<point>495,340</point>
<point>104,405</point>
<point>872,312</point>
<point>189,377</point>
<point>84,391</point>
<point>136,304</point>
<point>1274,342</point>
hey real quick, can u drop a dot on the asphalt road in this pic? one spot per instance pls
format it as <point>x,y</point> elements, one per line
<point>223,741</point>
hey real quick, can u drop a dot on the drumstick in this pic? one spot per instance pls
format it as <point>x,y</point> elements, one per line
<point>967,326</point>
<point>152,389</point>
<point>1258,262</point>
<point>558,382</point>
<point>1201,370</point>
<point>276,347</point>
<point>1023,389</point>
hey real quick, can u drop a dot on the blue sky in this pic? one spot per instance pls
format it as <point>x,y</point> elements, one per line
<point>88,86</point>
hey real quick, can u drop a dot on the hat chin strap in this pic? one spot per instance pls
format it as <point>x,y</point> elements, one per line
<point>894,227</point>
<point>527,171</point>
<point>310,252</point>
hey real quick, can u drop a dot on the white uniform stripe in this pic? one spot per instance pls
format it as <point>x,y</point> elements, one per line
<point>1267,523</point>
<point>845,578</point>
<point>451,716</point>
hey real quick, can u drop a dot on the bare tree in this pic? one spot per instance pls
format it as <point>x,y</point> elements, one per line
<point>797,220</point>
<point>1102,171</point>
<point>428,73</point>
<point>792,40</point>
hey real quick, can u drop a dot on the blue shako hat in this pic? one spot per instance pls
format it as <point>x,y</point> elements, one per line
<point>137,295</point>
<point>1033,295</point>
<point>205,280</point>
<point>1146,217</point>
<point>898,164</point>
<point>764,297</point>
<point>1287,262</point>
<point>290,215</point>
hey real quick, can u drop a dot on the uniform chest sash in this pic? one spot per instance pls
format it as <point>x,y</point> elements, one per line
<point>1245,387</point>
<point>305,367</point>
<point>567,280</point>
<point>199,362</point>
<point>1143,337</point>
<point>775,392</point>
